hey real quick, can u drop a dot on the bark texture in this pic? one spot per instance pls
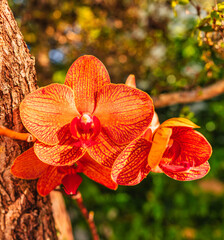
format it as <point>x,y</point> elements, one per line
<point>23,213</point>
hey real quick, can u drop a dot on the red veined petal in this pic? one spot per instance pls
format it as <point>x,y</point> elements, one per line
<point>104,151</point>
<point>131,81</point>
<point>159,145</point>
<point>86,76</point>
<point>64,153</point>
<point>97,172</point>
<point>176,168</point>
<point>71,183</point>
<point>49,180</point>
<point>179,122</point>
<point>28,166</point>
<point>131,166</point>
<point>124,112</point>
<point>46,110</point>
<point>189,146</point>
<point>192,174</point>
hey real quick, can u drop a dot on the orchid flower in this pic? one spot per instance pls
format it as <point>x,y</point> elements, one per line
<point>174,148</point>
<point>86,114</point>
<point>80,126</point>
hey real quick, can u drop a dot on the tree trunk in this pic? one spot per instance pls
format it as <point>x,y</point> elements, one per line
<point>23,213</point>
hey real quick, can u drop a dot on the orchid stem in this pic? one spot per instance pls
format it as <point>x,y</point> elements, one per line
<point>89,216</point>
<point>16,135</point>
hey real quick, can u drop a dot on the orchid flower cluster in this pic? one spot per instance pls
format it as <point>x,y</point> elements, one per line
<point>108,132</point>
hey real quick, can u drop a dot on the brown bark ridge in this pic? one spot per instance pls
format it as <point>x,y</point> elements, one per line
<point>23,213</point>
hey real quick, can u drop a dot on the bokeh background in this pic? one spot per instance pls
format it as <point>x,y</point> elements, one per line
<point>170,45</point>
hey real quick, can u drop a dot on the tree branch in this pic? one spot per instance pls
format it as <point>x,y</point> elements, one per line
<point>183,97</point>
<point>62,219</point>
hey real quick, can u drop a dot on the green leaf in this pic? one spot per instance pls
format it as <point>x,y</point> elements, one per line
<point>215,14</point>
<point>183,2</point>
<point>206,28</point>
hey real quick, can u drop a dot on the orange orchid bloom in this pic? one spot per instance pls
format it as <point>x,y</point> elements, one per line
<point>174,148</point>
<point>80,126</point>
<point>86,114</point>
<point>28,166</point>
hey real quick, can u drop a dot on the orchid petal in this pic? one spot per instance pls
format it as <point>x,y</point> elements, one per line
<point>49,180</point>
<point>192,174</point>
<point>131,81</point>
<point>159,144</point>
<point>104,151</point>
<point>124,112</point>
<point>97,172</point>
<point>131,166</point>
<point>179,122</point>
<point>86,76</point>
<point>28,166</point>
<point>189,146</point>
<point>46,110</point>
<point>64,153</point>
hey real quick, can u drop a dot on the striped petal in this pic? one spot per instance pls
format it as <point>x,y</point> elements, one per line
<point>28,166</point>
<point>64,153</point>
<point>46,110</point>
<point>124,112</point>
<point>189,146</point>
<point>97,172</point>
<point>192,174</point>
<point>131,166</point>
<point>179,122</point>
<point>104,151</point>
<point>86,76</point>
<point>49,180</point>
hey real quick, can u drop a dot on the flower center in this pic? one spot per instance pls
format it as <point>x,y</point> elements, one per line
<point>85,129</point>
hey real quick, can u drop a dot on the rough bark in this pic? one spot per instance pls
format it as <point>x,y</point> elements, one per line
<point>23,213</point>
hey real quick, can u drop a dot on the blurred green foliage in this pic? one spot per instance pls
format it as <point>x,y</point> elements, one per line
<point>169,45</point>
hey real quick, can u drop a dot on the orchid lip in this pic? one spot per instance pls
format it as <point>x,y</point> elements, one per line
<point>85,129</point>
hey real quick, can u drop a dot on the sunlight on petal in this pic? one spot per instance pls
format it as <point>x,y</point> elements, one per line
<point>130,81</point>
<point>46,110</point>
<point>131,166</point>
<point>104,151</point>
<point>86,76</point>
<point>124,112</point>
<point>179,122</point>
<point>64,153</point>
<point>97,172</point>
